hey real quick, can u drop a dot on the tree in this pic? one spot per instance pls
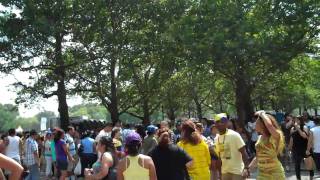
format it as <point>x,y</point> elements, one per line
<point>93,111</point>
<point>8,113</point>
<point>296,88</point>
<point>248,41</point>
<point>36,41</point>
<point>112,37</point>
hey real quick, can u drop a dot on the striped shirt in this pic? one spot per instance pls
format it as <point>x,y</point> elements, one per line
<point>31,146</point>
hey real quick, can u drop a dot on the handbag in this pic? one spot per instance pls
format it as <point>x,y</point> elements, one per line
<point>77,169</point>
<point>309,163</point>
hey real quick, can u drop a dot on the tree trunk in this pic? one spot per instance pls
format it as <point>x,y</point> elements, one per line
<point>261,104</point>
<point>60,72</point>
<point>199,110</point>
<point>113,107</point>
<point>220,105</point>
<point>300,111</point>
<point>243,100</point>
<point>171,115</point>
<point>196,100</point>
<point>146,112</point>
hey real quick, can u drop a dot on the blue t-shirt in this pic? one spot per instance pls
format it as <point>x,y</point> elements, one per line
<point>60,153</point>
<point>87,144</point>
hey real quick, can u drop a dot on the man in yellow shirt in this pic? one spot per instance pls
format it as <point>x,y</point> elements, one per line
<point>231,150</point>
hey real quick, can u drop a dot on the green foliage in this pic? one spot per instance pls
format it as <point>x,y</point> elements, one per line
<point>8,113</point>
<point>93,111</point>
<point>145,59</point>
<point>10,118</point>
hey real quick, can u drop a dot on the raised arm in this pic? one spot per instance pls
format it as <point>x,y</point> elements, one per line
<point>268,123</point>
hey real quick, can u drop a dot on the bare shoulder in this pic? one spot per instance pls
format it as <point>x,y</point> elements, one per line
<point>107,157</point>
<point>145,157</point>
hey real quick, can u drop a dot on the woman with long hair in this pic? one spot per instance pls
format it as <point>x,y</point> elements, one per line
<point>298,145</point>
<point>104,168</point>
<point>116,137</point>
<point>171,161</point>
<point>269,145</point>
<point>62,153</point>
<point>197,149</point>
<point>135,166</point>
<point>47,154</point>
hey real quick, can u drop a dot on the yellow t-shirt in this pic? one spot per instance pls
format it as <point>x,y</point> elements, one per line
<point>227,147</point>
<point>201,160</point>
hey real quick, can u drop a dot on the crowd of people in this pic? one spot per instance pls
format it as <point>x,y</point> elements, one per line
<point>219,148</point>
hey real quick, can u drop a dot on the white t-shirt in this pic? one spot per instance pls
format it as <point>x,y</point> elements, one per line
<point>101,134</point>
<point>316,139</point>
<point>310,124</point>
<point>227,147</point>
<point>13,150</point>
<point>72,146</point>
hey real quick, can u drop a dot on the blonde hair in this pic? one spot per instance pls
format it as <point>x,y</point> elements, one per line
<point>280,144</point>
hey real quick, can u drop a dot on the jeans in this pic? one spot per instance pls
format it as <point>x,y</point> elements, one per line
<point>48,166</point>
<point>34,173</point>
<point>297,162</point>
<point>316,158</point>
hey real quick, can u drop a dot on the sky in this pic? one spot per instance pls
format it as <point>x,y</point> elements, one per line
<point>8,95</point>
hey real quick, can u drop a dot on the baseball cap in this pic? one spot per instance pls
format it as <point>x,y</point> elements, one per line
<point>133,138</point>
<point>221,117</point>
<point>152,129</point>
<point>49,132</point>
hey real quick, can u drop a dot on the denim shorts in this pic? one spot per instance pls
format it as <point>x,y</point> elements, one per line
<point>62,165</point>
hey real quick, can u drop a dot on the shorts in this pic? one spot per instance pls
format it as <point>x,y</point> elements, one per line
<point>229,176</point>
<point>72,165</point>
<point>62,165</point>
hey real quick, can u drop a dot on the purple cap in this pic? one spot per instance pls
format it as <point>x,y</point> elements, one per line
<point>133,138</point>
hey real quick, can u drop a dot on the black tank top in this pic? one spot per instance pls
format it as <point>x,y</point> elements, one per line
<point>300,144</point>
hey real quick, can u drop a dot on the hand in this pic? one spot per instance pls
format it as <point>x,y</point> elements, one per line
<point>87,172</point>
<point>245,173</point>
<point>260,112</point>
